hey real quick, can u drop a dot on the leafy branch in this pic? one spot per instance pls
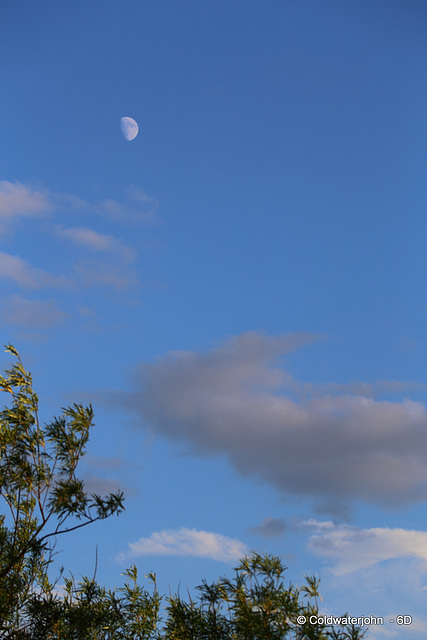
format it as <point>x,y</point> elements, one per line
<point>39,486</point>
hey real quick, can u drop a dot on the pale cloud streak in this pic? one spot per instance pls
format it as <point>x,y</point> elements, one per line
<point>372,566</point>
<point>103,273</point>
<point>18,270</point>
<point>137,208</point>
<point>39,314</point>
<point>353,549</point>
<point>21,201</point>
<point>95,241</point>
<point>187,542</point>
<point>117,274</point>
<point>330,447</point>
<point>81,257</point>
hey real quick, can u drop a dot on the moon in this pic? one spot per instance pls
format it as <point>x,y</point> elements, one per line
<point>129,128</point>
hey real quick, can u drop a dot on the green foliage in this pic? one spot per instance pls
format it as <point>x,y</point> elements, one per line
<point>88,611</point>
<point>41,496</point>
<point>255,605</point>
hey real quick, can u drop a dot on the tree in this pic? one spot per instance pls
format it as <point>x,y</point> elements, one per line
<point>89,611</point>
<point>41,496</point>
<point>255,605</point>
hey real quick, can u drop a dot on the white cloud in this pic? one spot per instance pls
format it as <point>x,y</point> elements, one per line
<point>20,271</point>
<point>332,447</point>
<point>108,263</point>
<point>353,549</point>
<point>187,542</point>
<point>18,310</point>
<point>18,200</point>
<point>115,273</point>
<point>96,241</point>
<point>137,208</point>
<point>381,571</point>
<point>417,626</point>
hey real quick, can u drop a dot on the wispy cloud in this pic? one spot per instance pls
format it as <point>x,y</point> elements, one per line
<point>136,208</point>
<point>39,314</point>
<point>93,260</point>
<point>187,542</point>
<point>382,570</point>
<point>19,201</point>
<point>104,273</point>
<point>353,549</point>
<point>334,448</point>
<point>21,272</point>
<point>95,241</point>
<point>87,273</point>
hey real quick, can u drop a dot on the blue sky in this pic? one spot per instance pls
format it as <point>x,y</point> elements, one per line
<point>239,291</point>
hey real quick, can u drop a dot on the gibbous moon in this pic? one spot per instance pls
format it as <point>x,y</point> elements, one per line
<point>129,128</point>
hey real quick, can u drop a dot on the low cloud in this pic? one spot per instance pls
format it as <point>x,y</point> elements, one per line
<point>187,542</point>
<point>333,447</point>
<point>353,549</point>
<point>104,474</point>
<point>106,463</point>
<point>270,528</point>
<point>103,486</point>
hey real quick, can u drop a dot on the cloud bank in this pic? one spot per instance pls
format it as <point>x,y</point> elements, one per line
<point>187,542</point>
<point>333,446</point>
